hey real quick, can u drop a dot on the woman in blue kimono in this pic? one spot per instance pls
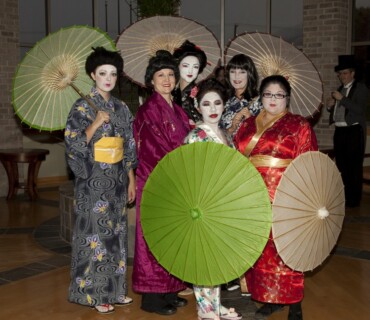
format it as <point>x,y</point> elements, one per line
<point>102,189</point>
<point>209,100</point>
<point>242,79</point>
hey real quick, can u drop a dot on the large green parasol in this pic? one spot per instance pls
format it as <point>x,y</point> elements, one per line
<point>52,76</point>
<point>205,213</point>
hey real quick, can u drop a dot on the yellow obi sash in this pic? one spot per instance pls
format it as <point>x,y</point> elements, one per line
<point>109,150</point>
<point>269,161</point>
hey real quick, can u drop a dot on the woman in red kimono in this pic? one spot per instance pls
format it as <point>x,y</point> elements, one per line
<point>160,126</point>
<point>271,141</point>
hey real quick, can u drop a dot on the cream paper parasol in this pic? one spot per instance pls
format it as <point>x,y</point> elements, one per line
<point>52,76</point>
<point>140,41</point>
<point>272,55</point>
<point>308,211</point>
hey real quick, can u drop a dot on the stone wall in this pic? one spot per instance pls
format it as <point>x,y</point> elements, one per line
<point>324,38</point>
<point>11,135</point>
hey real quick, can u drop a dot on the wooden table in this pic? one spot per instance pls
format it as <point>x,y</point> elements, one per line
<point>10,159</point>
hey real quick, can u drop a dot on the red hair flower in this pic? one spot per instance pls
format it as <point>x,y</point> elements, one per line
<point>194,92</point>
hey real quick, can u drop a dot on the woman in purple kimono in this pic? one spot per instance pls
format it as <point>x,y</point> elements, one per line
<point>160,127</point>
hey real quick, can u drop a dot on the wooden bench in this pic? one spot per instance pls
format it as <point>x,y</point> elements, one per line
<point>10,159</point>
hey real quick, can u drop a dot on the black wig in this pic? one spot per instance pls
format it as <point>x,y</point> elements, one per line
<point>101,56</point>
<point>162,60</point>
<point>190,49</point>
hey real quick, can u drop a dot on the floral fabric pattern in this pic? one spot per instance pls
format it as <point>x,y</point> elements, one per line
<point>208,298</point>
<point>186,101</point>
<point>233,106</point>
<point>99,244</point>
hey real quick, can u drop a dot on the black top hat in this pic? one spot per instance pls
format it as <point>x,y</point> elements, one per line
<point>345,62</point>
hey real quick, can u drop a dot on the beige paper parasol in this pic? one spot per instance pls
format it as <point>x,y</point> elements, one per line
<point>140,41</point>
<point>308,211</point>
<point>272,55</point>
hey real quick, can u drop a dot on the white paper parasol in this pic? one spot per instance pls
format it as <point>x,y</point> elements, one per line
<point>308,211</point>
<point>140,41</point>
<point>272,55</point>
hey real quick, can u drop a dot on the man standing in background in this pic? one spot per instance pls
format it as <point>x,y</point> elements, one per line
<point>349,116</point>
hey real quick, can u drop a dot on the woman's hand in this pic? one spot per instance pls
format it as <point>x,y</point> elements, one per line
<point>238,118</point>
<point>242,114</point>
<point>131,187</point>
<point>101,117</point>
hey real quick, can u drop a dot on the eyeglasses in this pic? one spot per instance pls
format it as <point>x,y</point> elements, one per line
<point>276,95</point>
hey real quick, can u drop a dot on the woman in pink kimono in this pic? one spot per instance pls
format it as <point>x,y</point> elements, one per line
<point>271,141</point>
<point>209,100</point>
<point>160,127</point>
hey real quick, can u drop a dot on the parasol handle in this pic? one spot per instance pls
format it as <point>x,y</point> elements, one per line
<point>89,101</point>
<point>323,213</point>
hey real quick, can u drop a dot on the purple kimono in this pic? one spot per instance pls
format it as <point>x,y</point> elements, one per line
<point>158,129</point>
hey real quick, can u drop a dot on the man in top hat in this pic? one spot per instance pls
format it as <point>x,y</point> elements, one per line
<point>349,116</point>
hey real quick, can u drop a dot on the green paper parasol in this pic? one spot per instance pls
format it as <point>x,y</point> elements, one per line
<point>52,76</point>
<point>206,213</point>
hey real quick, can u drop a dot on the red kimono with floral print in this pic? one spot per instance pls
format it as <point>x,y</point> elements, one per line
<point>270,280</point>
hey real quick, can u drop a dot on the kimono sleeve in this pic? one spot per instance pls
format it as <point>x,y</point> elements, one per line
<point>152,141</point>
<point>307,139</point>
<point>129,159</point>
<point>77,150</point>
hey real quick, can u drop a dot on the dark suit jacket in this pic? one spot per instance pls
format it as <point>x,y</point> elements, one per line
<point>355,103</point>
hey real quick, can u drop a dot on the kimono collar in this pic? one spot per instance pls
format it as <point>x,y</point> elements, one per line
<point>101,101</point>
<point>210,132</point>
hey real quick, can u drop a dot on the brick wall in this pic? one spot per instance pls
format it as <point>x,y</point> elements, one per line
<point>11,136</point>
<point>324,38</point>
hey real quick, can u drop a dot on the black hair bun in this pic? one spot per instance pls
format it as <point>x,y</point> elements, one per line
<point>163,54</point>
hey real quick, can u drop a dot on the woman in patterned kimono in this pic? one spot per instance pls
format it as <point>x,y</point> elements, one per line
<point>102,190</point>
<point>271,141</point>
<point>191,60</point>
<point>209,101</point>
<point>160,126</point>
<point>242,79</point>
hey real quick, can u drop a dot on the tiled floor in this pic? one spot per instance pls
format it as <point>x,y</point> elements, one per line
<point>47,235</point>
<point>32,249</point>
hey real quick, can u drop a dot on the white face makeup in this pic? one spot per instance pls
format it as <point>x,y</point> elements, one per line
<point>105,77</point>
<point>238,78</point>
<point>211,107</point>
<point>272,105</point>
<point>189,68</point>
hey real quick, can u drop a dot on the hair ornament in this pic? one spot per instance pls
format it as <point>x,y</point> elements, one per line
<point>193,93</point>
